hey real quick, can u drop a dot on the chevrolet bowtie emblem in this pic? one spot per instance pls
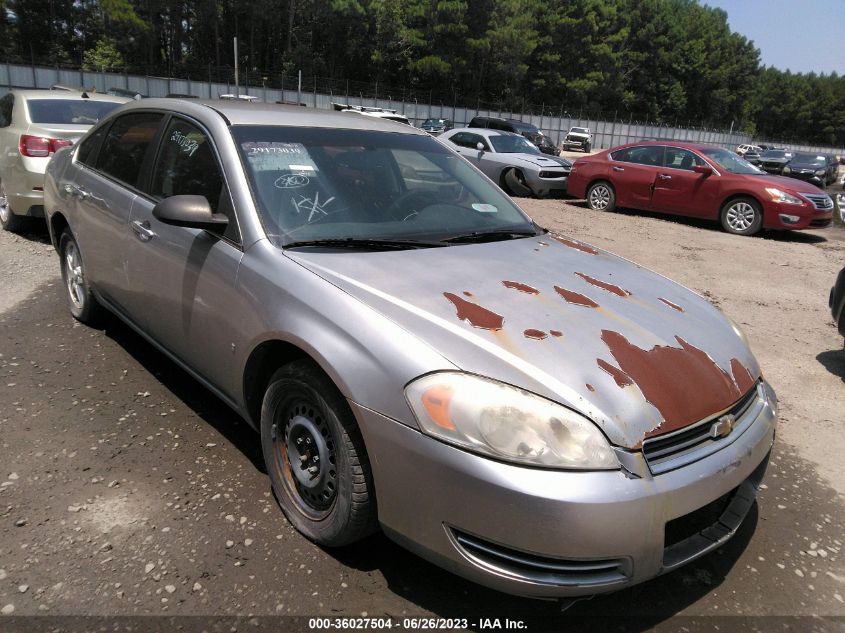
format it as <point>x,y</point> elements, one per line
<point>723,426</point>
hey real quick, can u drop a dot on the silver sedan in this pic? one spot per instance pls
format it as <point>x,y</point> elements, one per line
<point>510,161</point>
<point>522,408</point>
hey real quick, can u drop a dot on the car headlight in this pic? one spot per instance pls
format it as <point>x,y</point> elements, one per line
<point>787,170</point>
<point>820,172</point>
<point>507,423</point>
<point>778,195</point>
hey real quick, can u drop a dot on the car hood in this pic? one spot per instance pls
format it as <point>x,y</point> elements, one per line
<point>792,184</point>
<point>635,352</point>
<point>809,166</point>
<point>540,160</point>
<point>578,134</point>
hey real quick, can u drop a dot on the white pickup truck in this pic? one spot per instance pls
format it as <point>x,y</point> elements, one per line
<point>579,137</point>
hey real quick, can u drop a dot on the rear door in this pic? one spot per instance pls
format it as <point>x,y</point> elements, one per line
<point>680,190</point>
<point>101,191</point>
<point>184,279</point>
<point>633,172</point>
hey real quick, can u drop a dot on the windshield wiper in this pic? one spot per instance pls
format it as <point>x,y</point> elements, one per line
<point>365,243</point>
<point>488,236</point>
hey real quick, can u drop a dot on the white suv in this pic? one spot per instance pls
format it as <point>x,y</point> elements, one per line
<point>742,149</point>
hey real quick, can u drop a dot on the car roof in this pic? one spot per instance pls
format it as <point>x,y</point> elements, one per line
<point>238,112</point>
<point>482,131</point>
<point>68,94</point>
<point>696,147</point>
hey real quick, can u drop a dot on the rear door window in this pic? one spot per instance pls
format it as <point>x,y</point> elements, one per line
<point>126,144</point>
<point>651,155</point>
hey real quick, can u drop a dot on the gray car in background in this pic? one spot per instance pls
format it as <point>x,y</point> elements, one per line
<point>34,124</point>
<point>524,409</point>
<point>510,161</point>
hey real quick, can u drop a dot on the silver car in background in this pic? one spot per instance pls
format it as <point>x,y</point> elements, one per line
<point>511,161</point>
<point>34,124</point>
<point>523,409</point>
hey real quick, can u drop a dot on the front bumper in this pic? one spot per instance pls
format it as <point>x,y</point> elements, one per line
<point>778,215</point>
<point>543,533</point>
<point>542,186</point>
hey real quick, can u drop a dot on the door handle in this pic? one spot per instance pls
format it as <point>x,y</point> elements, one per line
<point>618,169</point>
<point>75,190</point>
<point>664,176</point>
<point>145,233</point>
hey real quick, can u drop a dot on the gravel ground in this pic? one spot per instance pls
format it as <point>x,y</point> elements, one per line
<point>126,489</point>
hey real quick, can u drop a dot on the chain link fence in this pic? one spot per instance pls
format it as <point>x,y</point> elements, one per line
<point>609,128</point>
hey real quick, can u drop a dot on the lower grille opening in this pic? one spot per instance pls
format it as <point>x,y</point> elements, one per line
<point>821,223</point>
<point>542,569</point>
<point>702,530</point>
<point>684,527</point>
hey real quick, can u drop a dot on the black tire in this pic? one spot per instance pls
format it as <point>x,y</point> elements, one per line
<point>303,417</point>
<point>82,303</point>
<point>9,220</point>
<point>587,148</point>
<point>601,196</point>
<point>742,216</point>
<point>513,182</point>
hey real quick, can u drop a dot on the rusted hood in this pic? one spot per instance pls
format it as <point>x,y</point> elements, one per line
<point>635,352</point>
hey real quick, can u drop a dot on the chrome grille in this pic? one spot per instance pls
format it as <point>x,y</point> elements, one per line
<point>542,569</point>
<point>821,201</point>
<point>673,450</point>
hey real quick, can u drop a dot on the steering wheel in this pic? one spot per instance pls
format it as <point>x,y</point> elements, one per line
<point>398,205</point>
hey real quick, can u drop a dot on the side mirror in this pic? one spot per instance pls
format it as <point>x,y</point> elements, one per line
<point>704,170</point>
<point>192,212</point>
<point>479,146</point>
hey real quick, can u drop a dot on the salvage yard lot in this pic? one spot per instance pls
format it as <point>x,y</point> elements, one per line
<point>126,489</point>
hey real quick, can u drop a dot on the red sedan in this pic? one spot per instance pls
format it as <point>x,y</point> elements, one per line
<point>698,181</point>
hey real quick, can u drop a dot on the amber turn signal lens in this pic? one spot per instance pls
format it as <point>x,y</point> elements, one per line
<point>436,402</point>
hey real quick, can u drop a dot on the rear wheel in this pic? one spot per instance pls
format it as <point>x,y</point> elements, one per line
<point>315,457</point>
<point>601,196</point>
<point>81,301</point>
<point>8,220</point>
<point>742,216</point>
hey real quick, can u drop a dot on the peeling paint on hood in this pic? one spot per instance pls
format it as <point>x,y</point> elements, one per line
<point>656,356</point>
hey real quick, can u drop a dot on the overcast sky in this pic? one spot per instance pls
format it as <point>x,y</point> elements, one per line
<point>798,35</point>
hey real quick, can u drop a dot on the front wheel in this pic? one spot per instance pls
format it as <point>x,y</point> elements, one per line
<point>513,182</point>
<point>601,196</point>
<point>742,216</point>
<point>82,303</point>
<point>587,148</point>
<point>315,456</point>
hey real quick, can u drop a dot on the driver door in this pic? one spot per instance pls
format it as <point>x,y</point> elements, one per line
<point>184,280</point>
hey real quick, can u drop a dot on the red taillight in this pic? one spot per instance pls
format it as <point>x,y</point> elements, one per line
<point>40,146</point>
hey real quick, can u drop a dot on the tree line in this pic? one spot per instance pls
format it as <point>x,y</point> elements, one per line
<point>674,62</point>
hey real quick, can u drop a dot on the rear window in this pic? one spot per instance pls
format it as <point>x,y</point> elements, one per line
<point>68,111</point>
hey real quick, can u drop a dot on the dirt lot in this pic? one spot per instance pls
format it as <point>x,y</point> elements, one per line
<point>126,489</point>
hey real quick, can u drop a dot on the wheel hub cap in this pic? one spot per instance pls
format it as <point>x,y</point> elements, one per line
<point>75,278</point>
<point>599,198</point>
<point>741,216</point>
<point>310,456</point>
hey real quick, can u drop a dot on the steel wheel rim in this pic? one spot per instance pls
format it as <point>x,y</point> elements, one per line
<point>741,216</point>
<point>4,205</point>
<point>74,277</point>
<point>306,457</point>
<point>599,197</point>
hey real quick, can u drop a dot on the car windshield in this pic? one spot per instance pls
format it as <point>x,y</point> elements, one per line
<point>434,122</point>
<point>525,128</point>
<point>775,153</point>
<point>68,111</point>
<point>312,184</point>
<point>810,159</point>
<point>729,161</point>
<point>512,144</point>
<point>580,130</point>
